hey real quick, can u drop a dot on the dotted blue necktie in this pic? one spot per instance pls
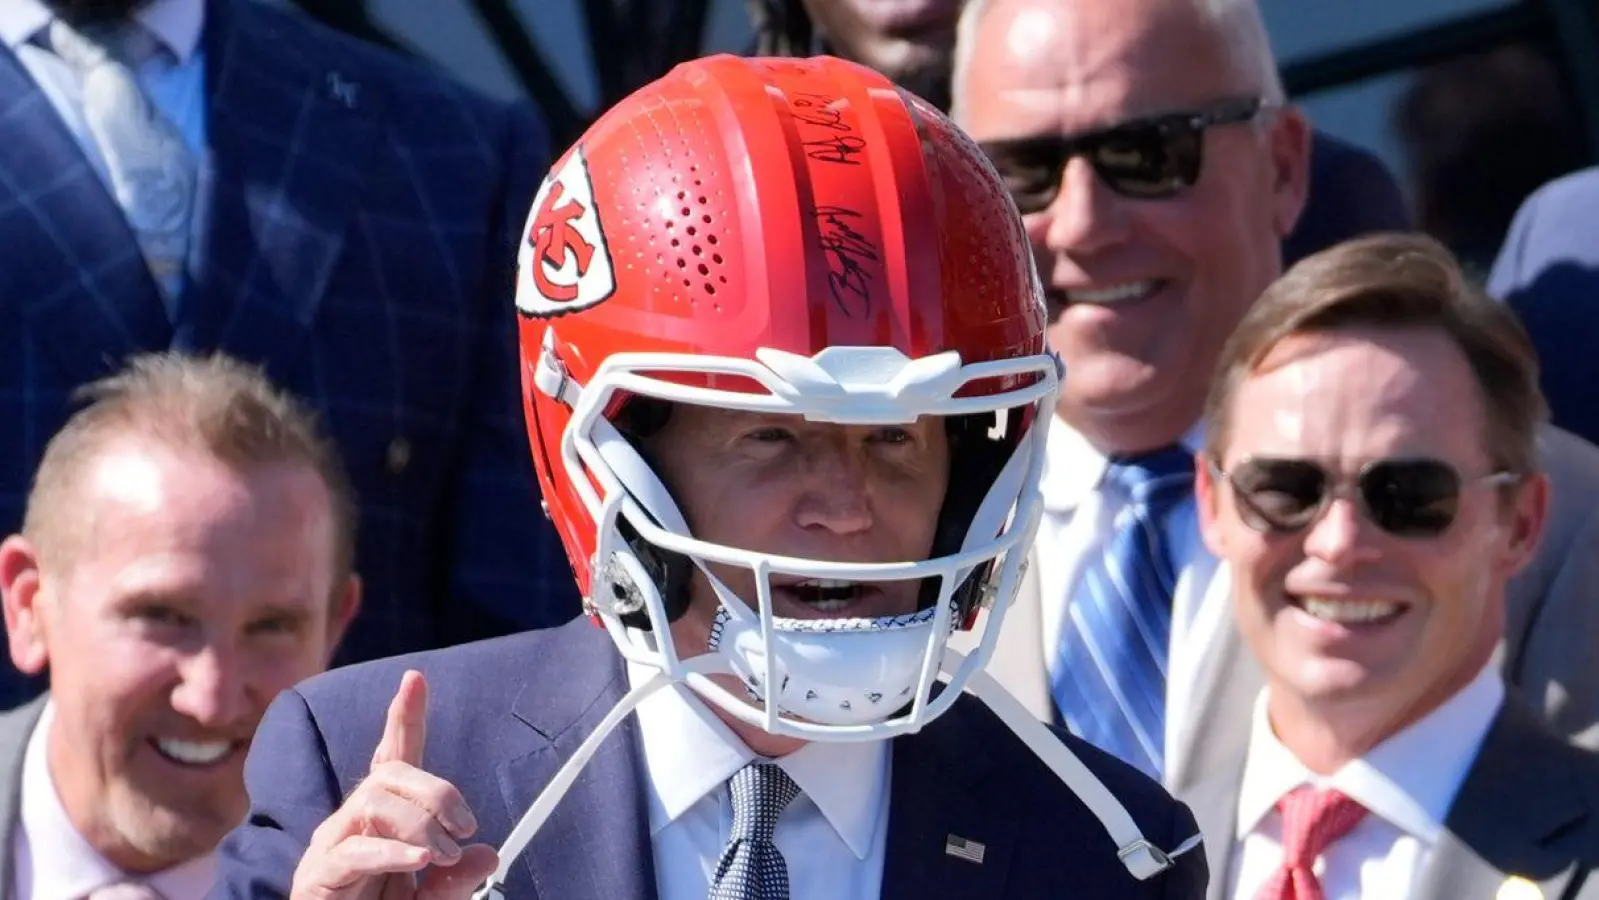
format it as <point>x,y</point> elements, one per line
<point>1110,678</point>
<point>751,868</point>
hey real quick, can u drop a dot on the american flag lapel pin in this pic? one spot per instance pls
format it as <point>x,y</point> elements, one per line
<point>963,848</point>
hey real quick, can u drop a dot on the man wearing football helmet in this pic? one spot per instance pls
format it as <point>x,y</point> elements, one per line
<point>785,383</point>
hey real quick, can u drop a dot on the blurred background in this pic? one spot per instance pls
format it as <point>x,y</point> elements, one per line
<point>1472,103</point>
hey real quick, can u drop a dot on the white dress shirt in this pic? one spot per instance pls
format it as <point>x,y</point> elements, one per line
<point>176,85</point>
<point>53,861</point>
<point>832,836</point>
<point>1078,521</point>
<point>1407,784</point>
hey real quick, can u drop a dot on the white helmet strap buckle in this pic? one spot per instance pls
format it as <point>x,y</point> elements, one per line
<point>550,375</point>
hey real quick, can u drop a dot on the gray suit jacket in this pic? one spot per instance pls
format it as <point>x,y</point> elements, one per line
<point>16,725</point>
<point>1529,807</point>
<point>1551,632</point>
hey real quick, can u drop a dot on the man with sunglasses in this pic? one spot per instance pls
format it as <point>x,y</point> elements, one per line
<point>1158,169</point>
<point>1176,169</point>
<point>1372,478</point>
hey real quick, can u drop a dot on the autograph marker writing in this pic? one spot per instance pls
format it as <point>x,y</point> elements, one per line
<point>848,254</point>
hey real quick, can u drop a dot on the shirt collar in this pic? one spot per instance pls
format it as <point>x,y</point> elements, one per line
<point>1074,468</point>
<point>175,23</point>
<point>20,20</point>
<point>1409,780</point>
<point>63,863</point>
<point>689,753</point>
<point>190,880</point>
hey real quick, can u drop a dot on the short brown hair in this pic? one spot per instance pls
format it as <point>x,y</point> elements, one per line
<point>1398,281</point>
<point>215,404</point>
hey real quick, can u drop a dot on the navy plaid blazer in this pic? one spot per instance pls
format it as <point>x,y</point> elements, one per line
<point>355,232</point>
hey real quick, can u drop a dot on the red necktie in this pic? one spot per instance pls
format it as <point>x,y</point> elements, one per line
<point>1312,821</point>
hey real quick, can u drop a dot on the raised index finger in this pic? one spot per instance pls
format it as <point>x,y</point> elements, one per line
<point>405,733</point>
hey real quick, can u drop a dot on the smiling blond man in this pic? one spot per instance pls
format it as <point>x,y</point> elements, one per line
<point>186,556</point>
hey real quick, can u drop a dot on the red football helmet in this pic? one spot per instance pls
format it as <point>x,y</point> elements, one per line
<point>789,236</point>
<point>783,235</point>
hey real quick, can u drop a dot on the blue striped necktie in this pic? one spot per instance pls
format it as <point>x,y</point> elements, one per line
<point>1110,677</point>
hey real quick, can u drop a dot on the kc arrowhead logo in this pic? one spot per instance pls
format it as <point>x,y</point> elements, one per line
<point>564,265</point>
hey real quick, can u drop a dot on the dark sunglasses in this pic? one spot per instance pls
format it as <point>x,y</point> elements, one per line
<point>1408,498</point>
<point>1146,159</point>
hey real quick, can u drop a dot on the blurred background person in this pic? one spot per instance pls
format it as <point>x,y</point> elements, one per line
<point>912,41</point>
<point>1548,271</point>
<point>1479,134</point>
<point>199,175</point>
<point>1159,169</point>
<point>185,556</point>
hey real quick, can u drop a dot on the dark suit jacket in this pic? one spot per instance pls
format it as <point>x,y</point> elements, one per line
<point>1351,194</point>
<point>1548,271</point>
<point>1529,807</point>
<point>504,715</point>
<point>355,230</point>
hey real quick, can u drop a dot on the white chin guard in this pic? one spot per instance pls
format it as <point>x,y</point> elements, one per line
<point>829,671</point>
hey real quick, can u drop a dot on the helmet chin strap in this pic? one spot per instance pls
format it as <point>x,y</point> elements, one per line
<point>1143,859</point>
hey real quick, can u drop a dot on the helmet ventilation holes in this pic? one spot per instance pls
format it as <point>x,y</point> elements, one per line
<point>694,243</point>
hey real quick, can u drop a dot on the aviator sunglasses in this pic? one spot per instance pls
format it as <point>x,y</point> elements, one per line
<point>1151,158</point>
<point>1408,498</point>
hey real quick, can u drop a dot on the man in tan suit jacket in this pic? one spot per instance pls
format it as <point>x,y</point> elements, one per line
<point>1547,652</point>
<point>1373,480</point>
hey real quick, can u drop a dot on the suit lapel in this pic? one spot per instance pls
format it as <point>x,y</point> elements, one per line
<point>1216,725</point>
<point>1018,650</point>
<point>1214,803</point>
<point>1521,811</point>
<point>596,843</point>
<point>289,141</point>
<point>932,800</point>
<point>16,726</point>
<point>74,267</point>
<point>1456,872</point>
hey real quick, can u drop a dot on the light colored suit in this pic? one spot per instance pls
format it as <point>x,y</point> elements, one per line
<point>1551,636</point>
<point>16,726</point>
<point>1529,806</point>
